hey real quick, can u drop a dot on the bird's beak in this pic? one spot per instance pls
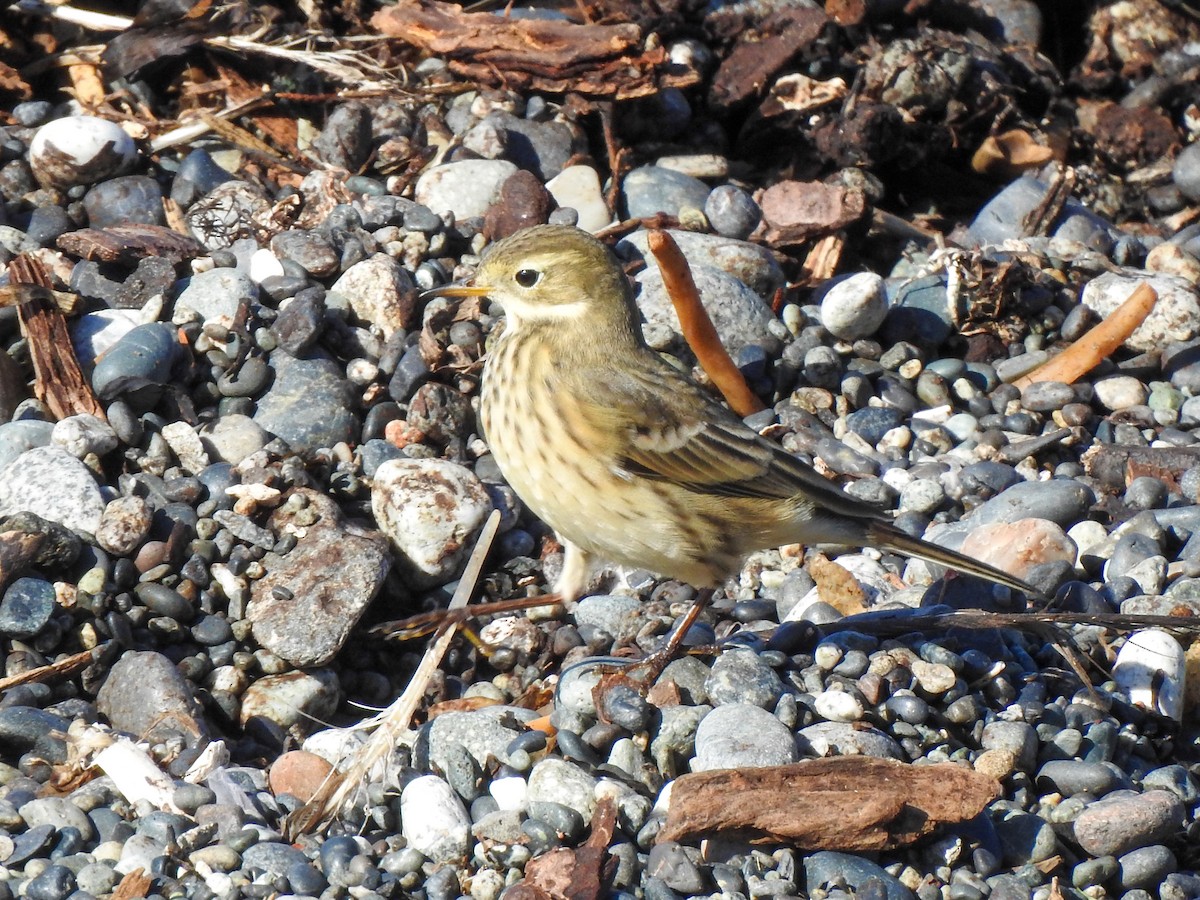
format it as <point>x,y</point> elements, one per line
<point>456,290</point>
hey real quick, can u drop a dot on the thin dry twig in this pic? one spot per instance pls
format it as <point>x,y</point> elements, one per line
<point>63,668</point>
<point>1095,346</point>
<point>698,328</point>
<point>339,789</point>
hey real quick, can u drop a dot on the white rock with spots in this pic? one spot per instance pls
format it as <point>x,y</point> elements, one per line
<point>124,525</point>
<point>51,483</point>
<point>558,781</point>
<point>466,187</point>
<point>430,509</point>
<point>380,293</point>
<point>433,819</point>
<point>1175,316</point>
<point>855,306</point>
<point>83,434</point>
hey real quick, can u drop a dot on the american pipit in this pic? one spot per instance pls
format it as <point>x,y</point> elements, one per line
<point>626,458</point>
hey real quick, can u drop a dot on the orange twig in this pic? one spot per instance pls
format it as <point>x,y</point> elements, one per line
<point>1087,352</point>
<point>698,328</point>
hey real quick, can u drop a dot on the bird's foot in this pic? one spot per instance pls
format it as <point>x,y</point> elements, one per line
<point>640,676</point>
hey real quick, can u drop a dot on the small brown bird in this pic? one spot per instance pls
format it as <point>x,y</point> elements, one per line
<point>628,459</point>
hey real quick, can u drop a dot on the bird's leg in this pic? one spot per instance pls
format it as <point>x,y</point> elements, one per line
<point>647,671</point>
<point>577,565</point>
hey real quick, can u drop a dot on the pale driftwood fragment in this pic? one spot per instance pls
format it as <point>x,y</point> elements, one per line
<point>851,803</point>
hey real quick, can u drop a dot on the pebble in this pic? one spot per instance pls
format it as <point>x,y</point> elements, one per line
<point>855,306</point>
<point>51,483</point>
<point>80,150</point>
<point>732,212</point>
<point>1120,392</point>
<point>578,187</point>
<point>749,263</point>
<point>296,699</point>
<point>1126,821</point>
<point>653,189</point>
<point>146,353</point>
<point>740,316</point>
<point>742,677</point>
<point>739,735</point>
<point>381,293</point>
<point>429,509</point>
<point>1150,671</point>
<point>433,819</point>
<point>26,607</point>
<point>305,607</point>
<point>309,404</point>
<point>465,188</point>
<point>1175,316</point>
<point>214,297</point>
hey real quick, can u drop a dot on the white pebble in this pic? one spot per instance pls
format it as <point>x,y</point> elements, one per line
<point>80,150</point>
<point>186,445</point>
<point>433,819</point>
<point>838,706</point>
<point>1150,672</point>
<point>854,307</point>
<point>1120,392</point>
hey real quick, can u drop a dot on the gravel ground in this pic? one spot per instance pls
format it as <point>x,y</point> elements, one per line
<point>288,455</point>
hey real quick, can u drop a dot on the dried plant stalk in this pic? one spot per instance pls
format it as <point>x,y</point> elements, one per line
<point>1095,346</point>
<point>698,328</point>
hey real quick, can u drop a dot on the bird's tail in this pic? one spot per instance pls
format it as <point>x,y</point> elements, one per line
<point>888,537</point>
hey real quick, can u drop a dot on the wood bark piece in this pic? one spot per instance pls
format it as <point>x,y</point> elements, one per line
<point>761,52</point>
<point>571,874</point>
<point>58,380</point>
<point>850,803</point>
<point>533,54</point>
<point>697,327</point>
<point>130,243</point>
<point>1114,465</point>
<point>1095,346</point>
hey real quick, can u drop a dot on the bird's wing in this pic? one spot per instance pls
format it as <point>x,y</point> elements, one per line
<point>676,432</point>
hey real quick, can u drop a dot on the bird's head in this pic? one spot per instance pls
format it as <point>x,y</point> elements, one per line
<point>552,274</point>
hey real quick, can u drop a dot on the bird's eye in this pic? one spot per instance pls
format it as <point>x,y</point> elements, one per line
<point>527,278</point>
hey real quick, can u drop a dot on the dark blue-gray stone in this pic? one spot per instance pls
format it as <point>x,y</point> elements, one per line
<point>26,608</point>
<point>143,356</point>
<point>125,200</point>
<point>827,865</point>
<point>310,404</point>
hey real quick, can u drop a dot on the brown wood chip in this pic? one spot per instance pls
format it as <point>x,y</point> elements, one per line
<point>851,803</point>
<point>129,243</point>
<point>566,874</point>
<point>533,54</point>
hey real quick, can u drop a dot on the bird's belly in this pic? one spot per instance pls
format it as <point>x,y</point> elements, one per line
<point>633,522</point>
